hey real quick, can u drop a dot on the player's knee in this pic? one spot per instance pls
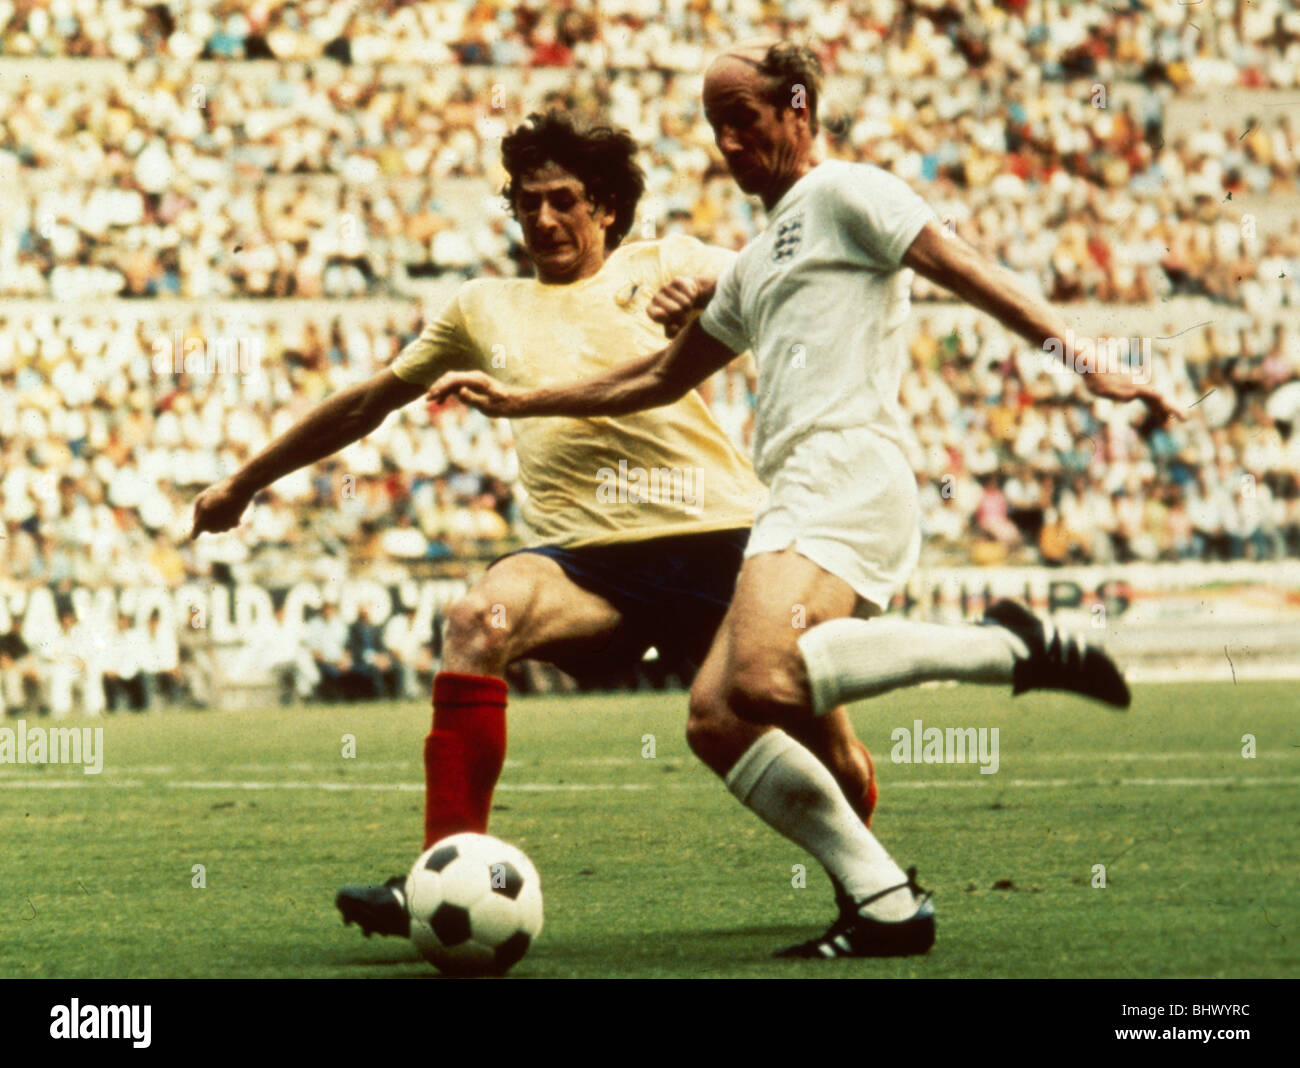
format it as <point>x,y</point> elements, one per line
<point>476,629</point>
<point>752,703</point>
<point>714,733</point>
<point>760,693</point>
<point>706,724</point>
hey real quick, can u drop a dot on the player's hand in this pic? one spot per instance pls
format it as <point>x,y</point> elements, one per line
<point>680,301</point>
<point>218,508</point>
<point>479,391</point>
<point>1125,386</point>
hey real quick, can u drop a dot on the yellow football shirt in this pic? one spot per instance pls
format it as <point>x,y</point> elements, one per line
<point>651,474</point>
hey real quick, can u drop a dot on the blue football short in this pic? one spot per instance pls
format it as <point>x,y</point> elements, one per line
<point>672,592</point>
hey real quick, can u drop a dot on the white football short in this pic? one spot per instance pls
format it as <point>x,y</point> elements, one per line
<point>846,500</point>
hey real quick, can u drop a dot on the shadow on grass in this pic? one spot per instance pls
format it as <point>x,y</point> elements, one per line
<point>631,953</point>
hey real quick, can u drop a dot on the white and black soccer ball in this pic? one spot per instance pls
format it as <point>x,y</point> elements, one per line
<point>475,904</point>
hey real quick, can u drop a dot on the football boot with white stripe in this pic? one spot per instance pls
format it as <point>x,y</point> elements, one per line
<point>857,935</point>
<point>1057,660</point>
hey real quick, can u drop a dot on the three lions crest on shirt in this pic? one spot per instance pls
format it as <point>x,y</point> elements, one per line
<point>789,236</point>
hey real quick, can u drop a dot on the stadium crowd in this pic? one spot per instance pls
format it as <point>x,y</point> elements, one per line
<point>100,455</point>
<point>147,666</point>
<point>1228,42</point>
<point>349,180</point>
<point>334,184</point>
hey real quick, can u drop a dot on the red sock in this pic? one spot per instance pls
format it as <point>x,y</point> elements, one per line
<point>463,754</point>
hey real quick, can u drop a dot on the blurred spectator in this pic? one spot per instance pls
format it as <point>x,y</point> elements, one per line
<point>73,668</point>
<point>278,647</point>
<point>327,637</point>
<point>991,515</point>
<point>372,674</point>
<point>124,667</point>
<point>161,663</point>
<point>19,674</point>
<point>412,655</point>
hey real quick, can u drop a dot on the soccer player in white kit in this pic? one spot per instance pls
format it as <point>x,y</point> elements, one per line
<point>820,297</point>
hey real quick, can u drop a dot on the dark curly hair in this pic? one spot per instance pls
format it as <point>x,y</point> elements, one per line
<point>788,66</point>
<point>601,157</point>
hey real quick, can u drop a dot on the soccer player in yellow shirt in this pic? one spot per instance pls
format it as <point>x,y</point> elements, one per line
<point>638,524</point>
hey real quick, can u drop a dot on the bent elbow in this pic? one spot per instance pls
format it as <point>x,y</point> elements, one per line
<point>364,415</point>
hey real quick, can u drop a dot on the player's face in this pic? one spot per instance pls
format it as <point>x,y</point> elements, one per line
<point>766,149</point>
<point>564,232</point>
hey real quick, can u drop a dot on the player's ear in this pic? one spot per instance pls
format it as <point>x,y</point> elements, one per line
<point>604,214</point>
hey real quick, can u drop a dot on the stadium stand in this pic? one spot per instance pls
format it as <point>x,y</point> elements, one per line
<point>291,186</point>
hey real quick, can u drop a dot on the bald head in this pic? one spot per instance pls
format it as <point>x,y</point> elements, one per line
<point>752,51</point>
<point>760,97</point>
<point>788,75</point>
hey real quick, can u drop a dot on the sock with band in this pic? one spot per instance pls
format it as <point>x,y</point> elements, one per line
<point>791,790</point>
<point>849,659</point>
<point>463,754</point>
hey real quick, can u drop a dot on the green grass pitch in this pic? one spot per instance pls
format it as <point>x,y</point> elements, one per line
<point>649,867</point>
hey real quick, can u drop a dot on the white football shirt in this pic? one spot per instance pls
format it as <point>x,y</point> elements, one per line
<point>820,297</point>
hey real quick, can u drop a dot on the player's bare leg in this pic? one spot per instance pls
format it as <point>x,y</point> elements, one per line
<point>779,596</point>
<point>833,739</point>
<point>719,737</point>
<point>715,734</point>
<point>761,679</point>
<point>837,746</point>
<point>526,607</point>
<point>523,606</point>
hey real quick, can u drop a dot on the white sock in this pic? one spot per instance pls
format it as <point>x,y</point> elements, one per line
<point>794,793</point>
<point>849,659</point>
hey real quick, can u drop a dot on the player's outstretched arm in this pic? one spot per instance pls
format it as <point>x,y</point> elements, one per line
<point>650,382</point>
<point>334,424</point>
<point>952,263</point>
